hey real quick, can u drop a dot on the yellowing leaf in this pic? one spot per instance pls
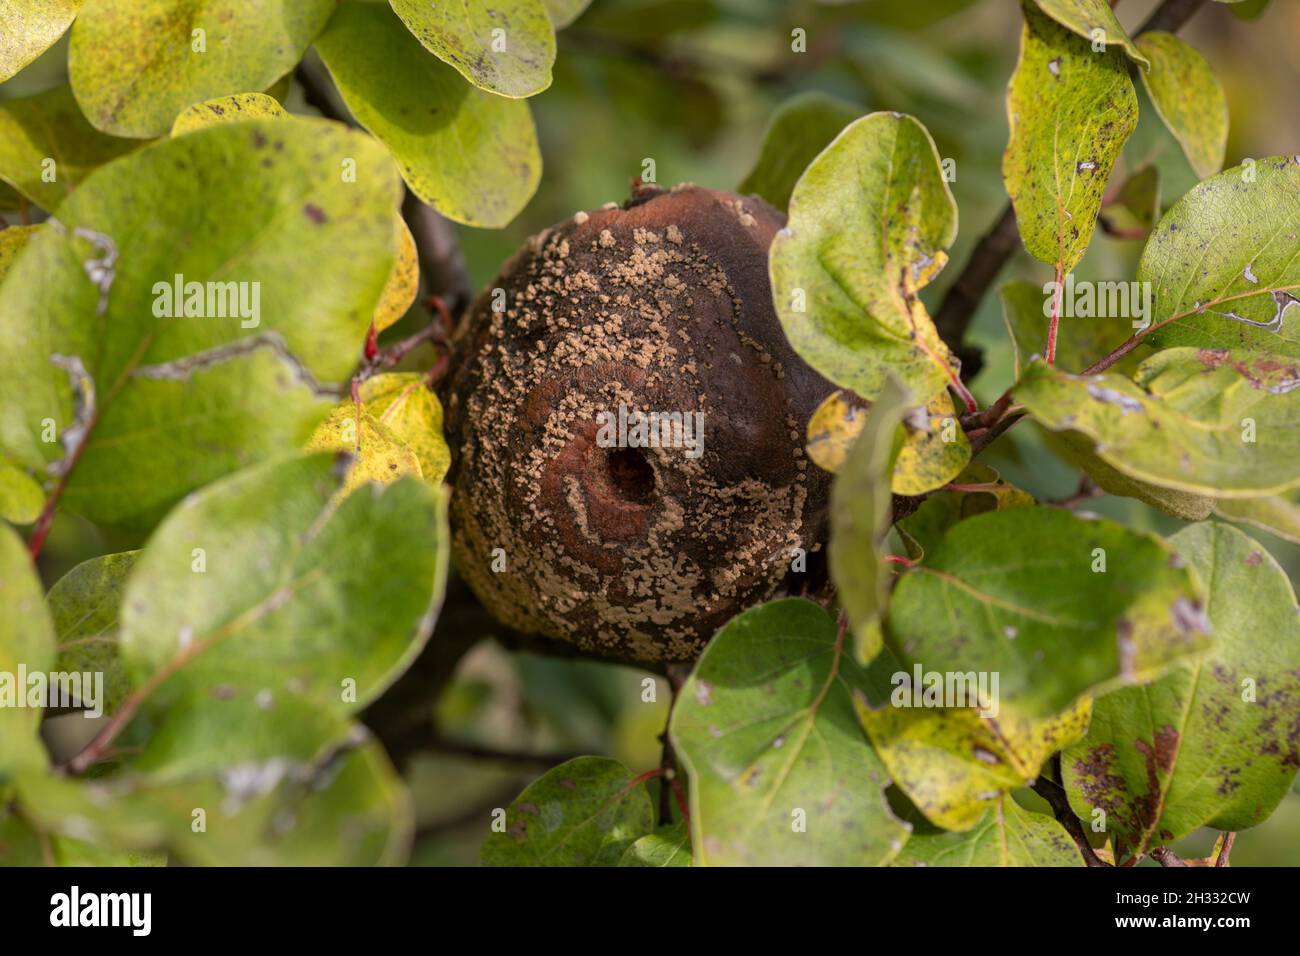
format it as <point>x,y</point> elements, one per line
<point>1008,835</point>
<point>935,450</point>
<point>136,65</point>
<point>403,282</point>
<point>379,455</point>
<point>21,497</point>
<point>1070,111</point>
<point>1278,515</point>
<point>30,27</point>
<point>1213,742</point>
<point>227,109</point>
<point>868,220</point>
<point>47,148</point>
<point>1092,20</point>
<point>505,46</point>
<point>1189,99</point>
<point>1222,265</point>
<point>1209,422</point>
<point>409,409</point>
<point>469,153</point>
<point>952,762</point>
<point>176,399</point>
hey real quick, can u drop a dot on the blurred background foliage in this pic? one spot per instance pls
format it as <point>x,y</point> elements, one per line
<point>692,85</point>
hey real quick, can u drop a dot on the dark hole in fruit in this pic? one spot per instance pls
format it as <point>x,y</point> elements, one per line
<point>630,475</point>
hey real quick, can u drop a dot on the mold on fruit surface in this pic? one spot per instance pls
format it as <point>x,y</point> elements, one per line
<point>660,306</point>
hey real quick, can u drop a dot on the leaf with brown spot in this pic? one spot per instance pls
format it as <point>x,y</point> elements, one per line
<point>1071,111</point>
<point>227,109</point>
<point>1208,422</point>
<point>1216,742</point>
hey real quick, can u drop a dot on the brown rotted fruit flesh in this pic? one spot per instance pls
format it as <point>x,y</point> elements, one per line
<point>638,553</point>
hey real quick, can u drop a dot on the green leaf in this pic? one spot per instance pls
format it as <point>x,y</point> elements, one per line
<point>27,642</point>
<point>1247,9</point>
<point>403,403</point>
<point>84,604</point>
<point>860,518</point>
<point>12,241</point>
<point>1008,835</point>
<point>1139,197</point>
<point>800,128</point>
<point>504,46</point>
<point>1080,451</point>
<point>564,12</point>
<point>1212,743</point>
<point>870,220</point>
<point>135,65</point>
<point>227,109</point>
<point>20,844</point>
<point>45,137</point>
<point>278,783</point>
<point>1188,98</point>
<point>1093,20</point>
<point>585,812</point>
<point>21,497</point>
<point>781,774</point>
<point>1021,593</point>
<point>669,846</point>
<point>1070,111</point>
<point>9,198</point>
<point>952,762</point>
<point>1081,339</point>
<point>934,452</point>
<point>1202,421</point>
<point>1278,515</point>
<point>470,154</point>
<point>403,282</point>
<point>265,582</point>
<point>162,405</point>
<point>30,27</point>
<point>982,490</point>
<point>1222,262</point>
